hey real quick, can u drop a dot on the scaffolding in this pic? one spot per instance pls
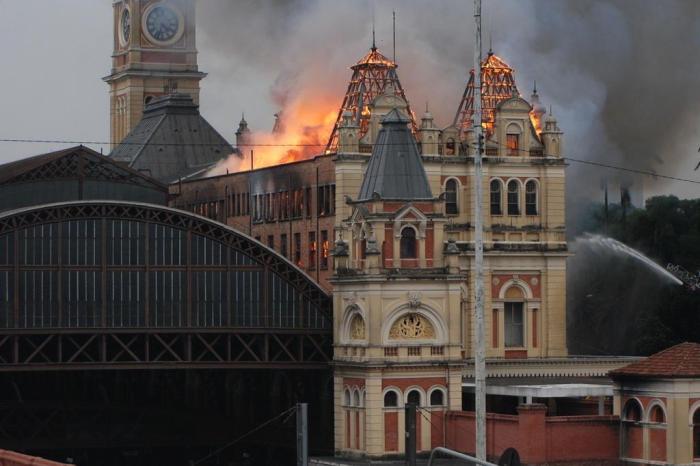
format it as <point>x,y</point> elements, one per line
<point>497,85</point>
<point>372,76</point>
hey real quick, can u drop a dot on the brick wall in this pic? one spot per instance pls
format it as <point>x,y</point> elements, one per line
<point>539,439</point>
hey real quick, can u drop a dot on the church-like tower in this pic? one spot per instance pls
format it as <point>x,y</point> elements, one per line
<point>154,54</point>
<point>398,302</point>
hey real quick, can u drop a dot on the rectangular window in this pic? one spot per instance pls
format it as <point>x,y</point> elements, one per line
<point>312,250</point>
<point>496,203</point>
<point>514,325</point>
<point>326,200</point>
<point>513,144</point>
<point>297,249</point>
<point>307,199</point>
<point>283,245</point>
<point>271,241</point>
<point>513,199</point>
<point>284,205</point>
<point>325,249</point>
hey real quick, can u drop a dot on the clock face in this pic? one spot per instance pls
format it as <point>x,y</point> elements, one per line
<point>162,23</point>
<point>125,27</point>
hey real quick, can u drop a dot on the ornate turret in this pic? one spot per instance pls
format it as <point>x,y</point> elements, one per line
<point>429,134</point>
<point>243,134</point>
<point>538,110</point>
<point>497,85</point>
<point>372,76</point>
<point>552,136</point>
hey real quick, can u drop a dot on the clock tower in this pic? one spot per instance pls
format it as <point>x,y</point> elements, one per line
<point>154,54</point>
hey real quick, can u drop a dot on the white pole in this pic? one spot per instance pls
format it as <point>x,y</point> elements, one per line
<point>479,353</point>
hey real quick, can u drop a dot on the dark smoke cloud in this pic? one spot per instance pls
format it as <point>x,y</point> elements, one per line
<point>621,76</point>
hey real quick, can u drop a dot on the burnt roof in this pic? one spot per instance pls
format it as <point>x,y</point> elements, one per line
<point>680,361</point>
<point>172,140</point>
<point>73,162</point>
<point>395,169</point>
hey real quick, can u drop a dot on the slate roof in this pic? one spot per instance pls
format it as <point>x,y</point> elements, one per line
<point>395,170</point>
<point>73,162</point>
<point>680,361</point>
<point>172,140</point>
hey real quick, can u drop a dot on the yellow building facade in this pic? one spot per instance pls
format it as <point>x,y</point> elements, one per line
<point>404,320</point>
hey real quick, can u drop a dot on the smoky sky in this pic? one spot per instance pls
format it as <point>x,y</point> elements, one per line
<point>621,76</point>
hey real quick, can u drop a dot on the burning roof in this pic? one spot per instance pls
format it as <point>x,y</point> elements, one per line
<point>497,85</point>
<point>371,77</point>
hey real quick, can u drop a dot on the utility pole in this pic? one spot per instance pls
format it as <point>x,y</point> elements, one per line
<point>479,353</point>
<point>302,434</point>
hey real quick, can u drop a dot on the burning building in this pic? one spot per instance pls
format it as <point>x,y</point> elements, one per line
<point>376,205</point>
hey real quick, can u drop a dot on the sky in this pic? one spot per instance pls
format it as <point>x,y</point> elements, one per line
<point>621,76</point>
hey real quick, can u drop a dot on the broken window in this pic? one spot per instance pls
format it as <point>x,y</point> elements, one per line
<point>325,249</point>
<point>312,250</point>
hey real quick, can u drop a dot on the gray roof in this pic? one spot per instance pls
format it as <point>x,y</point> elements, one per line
<point>395,170</point>
<point>172,140</point>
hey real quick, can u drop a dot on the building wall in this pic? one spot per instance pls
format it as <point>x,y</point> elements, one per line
<point>537,438</point>
<point>258,203</point>
<point>647,439</point>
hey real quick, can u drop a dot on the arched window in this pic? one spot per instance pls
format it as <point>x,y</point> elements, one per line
<point>696,434</point>
<point>408,243</point>
<point>356,398</point>
<point>513,140</point>
<point>632,411</point>
<point>346,398</point>
<point>450,147</point>
<point>531,198</point>
<point>413,397</point>
<point>451,189</point>
<point>496,208</point>
<point>657,415</point>
<point>391,399</point>
<point>513,198</point>
<point>437,398</point>
<point>514,318</point>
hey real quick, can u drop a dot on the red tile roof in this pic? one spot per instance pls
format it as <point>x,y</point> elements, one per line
<point>680,361</point>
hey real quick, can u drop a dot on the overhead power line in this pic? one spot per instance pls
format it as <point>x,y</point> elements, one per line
<point>637,171</point>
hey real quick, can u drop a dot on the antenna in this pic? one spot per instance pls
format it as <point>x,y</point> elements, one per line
<point>374,42</point>
<point>393,14</point>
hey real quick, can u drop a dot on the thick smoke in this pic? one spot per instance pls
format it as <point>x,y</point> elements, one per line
<point>619,75</point>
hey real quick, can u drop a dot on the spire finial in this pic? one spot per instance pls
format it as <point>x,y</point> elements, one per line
<point>534,88</point>
<point>374,42</point>
<point>393,16</point>
<point>426,106</point>
<point>490,43</point>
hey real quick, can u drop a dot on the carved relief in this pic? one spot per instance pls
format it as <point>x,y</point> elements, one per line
<point>414,299</point>
<point>357,328</point>
<point>411,326</point>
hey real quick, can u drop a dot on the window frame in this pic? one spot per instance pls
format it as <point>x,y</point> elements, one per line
<point>516,210</point>
<point>414,239</point>
<point>532,208</point>
<point>509,307</point>
<point>452,196</point>
<point>500,197</point>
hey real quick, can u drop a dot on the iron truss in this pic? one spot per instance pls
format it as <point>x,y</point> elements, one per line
<point>165,349</point>
<point>179,219</point>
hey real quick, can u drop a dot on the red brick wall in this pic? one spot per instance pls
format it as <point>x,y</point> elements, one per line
<point>437,428</point>
<point>657,444</point>
<point>391,431</point>
<point>582,438</point>
<point>633,441</point>
<point>539,439</point>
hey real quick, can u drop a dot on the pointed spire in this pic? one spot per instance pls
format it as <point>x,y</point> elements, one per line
<point>534,87</point>
<point>374,42</point>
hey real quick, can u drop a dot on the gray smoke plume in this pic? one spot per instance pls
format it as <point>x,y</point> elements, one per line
<point>620,76</point>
